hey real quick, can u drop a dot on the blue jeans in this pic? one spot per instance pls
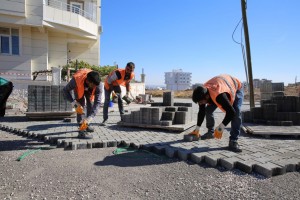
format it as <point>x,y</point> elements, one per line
<point>236,122</point>
<point>106,104</point>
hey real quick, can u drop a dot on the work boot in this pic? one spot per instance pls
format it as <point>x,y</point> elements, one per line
<point>81,134</point>
<point>234,146</point>
<point>84,135</point>
<point>207,136</point>
<point>104,123</point>
<point>90,129</point>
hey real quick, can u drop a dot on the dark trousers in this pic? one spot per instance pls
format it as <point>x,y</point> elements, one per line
<point>107,94</point>
<point>5,91</point>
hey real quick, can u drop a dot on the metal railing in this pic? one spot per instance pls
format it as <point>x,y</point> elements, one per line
<point>70,8</point>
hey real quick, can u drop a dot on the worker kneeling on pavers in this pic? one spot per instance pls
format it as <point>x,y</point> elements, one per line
<point>225,92</point>
<point>87,89</point>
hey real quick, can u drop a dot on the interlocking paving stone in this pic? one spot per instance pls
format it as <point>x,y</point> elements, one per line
<point>269,157</point>
<point>229,163</point>
<point>269,169</point>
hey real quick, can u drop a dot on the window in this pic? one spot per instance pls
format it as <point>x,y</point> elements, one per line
<point>76,7</point>
<point>9,41</point>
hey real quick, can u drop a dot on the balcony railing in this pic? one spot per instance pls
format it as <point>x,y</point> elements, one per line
<point>92,15</point>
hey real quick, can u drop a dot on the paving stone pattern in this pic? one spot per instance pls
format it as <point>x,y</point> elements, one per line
<point>266,156</point>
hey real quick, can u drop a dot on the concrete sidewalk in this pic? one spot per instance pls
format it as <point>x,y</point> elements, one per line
<point>266,156</point>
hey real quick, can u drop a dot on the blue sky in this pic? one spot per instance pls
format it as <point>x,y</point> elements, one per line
<point>196,36</point>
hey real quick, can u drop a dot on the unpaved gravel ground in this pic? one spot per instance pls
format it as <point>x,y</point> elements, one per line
<point>100,174</point>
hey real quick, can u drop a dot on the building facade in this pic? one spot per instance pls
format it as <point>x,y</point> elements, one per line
<point>178,80</point>
<point>37,35</point>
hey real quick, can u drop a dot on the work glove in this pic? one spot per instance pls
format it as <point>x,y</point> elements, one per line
<point>219,131</point>
<point>78,107</point>
<point>85,123</point>
<point>195,133</point>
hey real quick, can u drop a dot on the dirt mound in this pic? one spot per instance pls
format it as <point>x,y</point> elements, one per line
<point>288,91</point>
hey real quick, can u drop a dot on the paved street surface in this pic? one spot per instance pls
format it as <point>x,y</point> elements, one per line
<point>267,156</point>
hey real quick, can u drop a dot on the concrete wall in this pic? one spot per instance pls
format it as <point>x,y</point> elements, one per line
<point>39,45</point>
<point>88,52</point>
<point>58,50</point>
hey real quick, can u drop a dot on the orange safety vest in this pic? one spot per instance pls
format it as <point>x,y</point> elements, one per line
<point>80,77</point>
<point>120,81</point>
<point>221,84</point>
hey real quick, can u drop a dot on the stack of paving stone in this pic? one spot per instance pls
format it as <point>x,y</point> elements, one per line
<point>47,99</point>
<point>279,110</point>
<point>269,90</point>
<point>161,114</point>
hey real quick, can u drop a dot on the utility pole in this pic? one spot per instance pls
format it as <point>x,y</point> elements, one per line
<point>247,43</point>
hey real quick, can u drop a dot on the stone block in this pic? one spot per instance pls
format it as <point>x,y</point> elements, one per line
<point>156,104</point>
<point>171,152</point>
<point>269,169</point>
<point>180,117</point>
<point>245,165</point>
<point>247,116</point>
<point>212,160</point>
<point>269,111</point>
<point>171,109</point>
<point>198,157</point>
<point>277,87</point>
<point>228,163</point>
<point>167,116</point>
<point>156,115</point>
<point>266,95</point>
<point>145,115</point>
<point>168,98</point>
<point>257,113</point>
<point>266,86</point>
<point>166,122</point>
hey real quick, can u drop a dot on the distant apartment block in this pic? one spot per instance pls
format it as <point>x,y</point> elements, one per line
<point>257,83</point>
<point>36,35</point>
<point>178,80</point>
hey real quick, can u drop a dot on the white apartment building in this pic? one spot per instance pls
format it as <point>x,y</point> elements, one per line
<point>36,35</point>
<point>178,80</point>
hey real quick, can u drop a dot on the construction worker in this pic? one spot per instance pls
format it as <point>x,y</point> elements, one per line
<point>113,82</point>
<point>87,89</point>
<point>225,92</point>
<point>6,88</point>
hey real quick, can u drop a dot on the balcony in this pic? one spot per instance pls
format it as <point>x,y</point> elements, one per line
<point>70,16</point>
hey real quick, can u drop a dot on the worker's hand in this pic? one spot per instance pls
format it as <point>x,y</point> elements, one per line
<point>87,120</point>
<point>196,133</point>
<point>219,131</point>
<point>127,93</point>
<point>83,125</point>
<point>75,103</point>
<point>79,110</point>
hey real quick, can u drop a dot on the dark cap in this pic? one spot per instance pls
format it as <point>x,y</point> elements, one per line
<point>94,77</point>
<point>199,93</point>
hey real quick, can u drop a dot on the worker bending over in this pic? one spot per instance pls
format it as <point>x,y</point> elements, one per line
<point>87,91</point>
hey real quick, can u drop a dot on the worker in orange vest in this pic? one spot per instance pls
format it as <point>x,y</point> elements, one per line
<point>87,91</point>
<point>117,78</point>
<point>225,92</point>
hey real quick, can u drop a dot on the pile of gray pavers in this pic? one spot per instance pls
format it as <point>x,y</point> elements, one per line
<point>47,101</point>
<point>276,109</point>
<point>167,115</point>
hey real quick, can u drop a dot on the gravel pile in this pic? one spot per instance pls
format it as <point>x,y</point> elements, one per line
<point>52,173</point>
